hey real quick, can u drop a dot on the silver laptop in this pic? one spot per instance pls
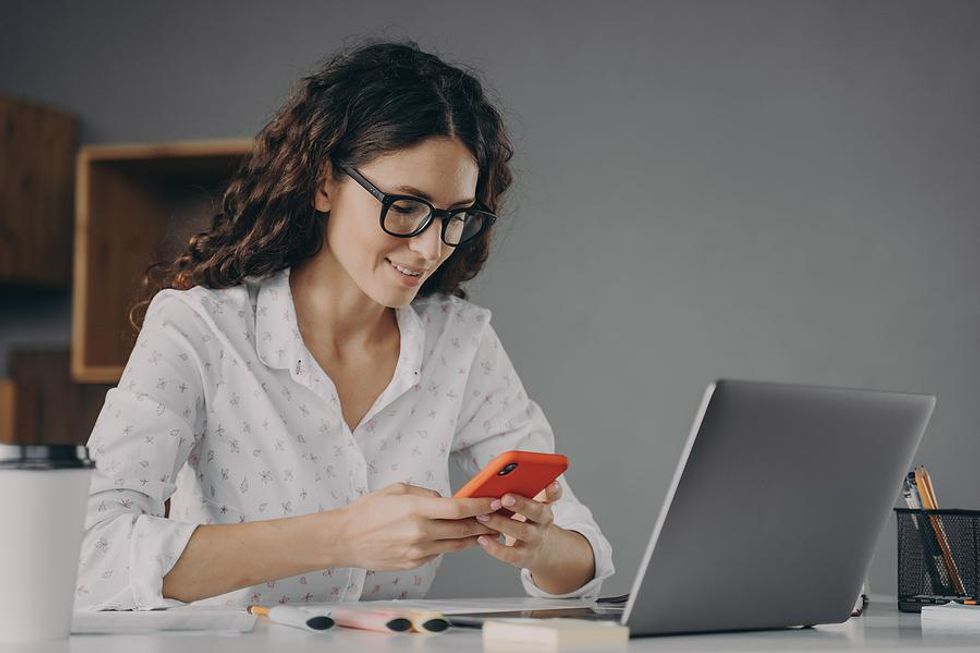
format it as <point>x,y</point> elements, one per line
<point>774,510</point>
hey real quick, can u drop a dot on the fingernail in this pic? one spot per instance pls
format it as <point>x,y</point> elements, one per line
<point>495,504</point>
<point>482,540</point>
<point>509,500</point>
<point>483,517</point>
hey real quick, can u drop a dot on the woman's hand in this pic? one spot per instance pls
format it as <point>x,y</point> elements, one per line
<point>402,526</point>
<point>527,532</point>
<point>560,561</point>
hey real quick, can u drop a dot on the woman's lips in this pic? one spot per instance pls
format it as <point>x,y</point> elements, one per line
<point>405,279</point>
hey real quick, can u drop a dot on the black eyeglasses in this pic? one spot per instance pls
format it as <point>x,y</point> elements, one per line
<point>406,216</point>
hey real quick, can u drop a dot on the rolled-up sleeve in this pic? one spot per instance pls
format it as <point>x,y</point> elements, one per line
<point>496,416</point>
<point>147,429</point>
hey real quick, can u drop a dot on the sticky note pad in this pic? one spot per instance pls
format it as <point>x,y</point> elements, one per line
<point>552,634</point>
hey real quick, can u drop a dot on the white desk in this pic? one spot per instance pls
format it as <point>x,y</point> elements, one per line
<point>882,628</point>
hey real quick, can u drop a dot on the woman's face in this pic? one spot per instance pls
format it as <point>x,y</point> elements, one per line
<point>441,170</point>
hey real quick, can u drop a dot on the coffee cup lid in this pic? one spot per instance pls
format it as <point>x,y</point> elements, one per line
<point>44,456</point>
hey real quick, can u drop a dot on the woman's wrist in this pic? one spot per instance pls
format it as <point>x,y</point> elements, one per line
<point>568,563</point>
<point>328,530</point>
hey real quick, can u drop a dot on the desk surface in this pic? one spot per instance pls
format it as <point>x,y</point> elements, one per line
<point>882,628</point>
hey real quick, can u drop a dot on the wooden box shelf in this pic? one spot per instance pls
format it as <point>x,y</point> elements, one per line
<point>135,205</point>
<point>37,147</point>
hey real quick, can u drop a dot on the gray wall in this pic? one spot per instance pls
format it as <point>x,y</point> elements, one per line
<point>772,190</point>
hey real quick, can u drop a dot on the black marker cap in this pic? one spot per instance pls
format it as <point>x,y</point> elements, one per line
<point>320,622</point>
<point>399,624</point>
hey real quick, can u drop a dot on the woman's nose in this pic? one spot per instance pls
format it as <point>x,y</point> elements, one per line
<point>429,243</point>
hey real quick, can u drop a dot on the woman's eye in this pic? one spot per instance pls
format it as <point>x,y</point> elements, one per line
<point>404,207</point>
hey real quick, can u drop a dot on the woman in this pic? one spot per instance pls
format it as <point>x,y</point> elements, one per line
<point>311,365</point>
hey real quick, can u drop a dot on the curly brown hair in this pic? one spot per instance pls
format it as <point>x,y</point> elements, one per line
<point>365,101</point>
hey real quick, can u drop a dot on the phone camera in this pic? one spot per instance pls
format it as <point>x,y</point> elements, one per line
<point>508,468</point>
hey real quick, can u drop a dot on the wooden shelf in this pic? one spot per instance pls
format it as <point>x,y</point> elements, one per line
<point>9,414</point>
<point>39,403</point>
<point>37,147</point>
<point>134,205</point>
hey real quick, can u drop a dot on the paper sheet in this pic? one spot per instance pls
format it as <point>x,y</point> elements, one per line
<point>179,618</point>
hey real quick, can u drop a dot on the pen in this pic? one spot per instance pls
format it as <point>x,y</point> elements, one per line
<point>288,615</point>
<point>426,621</point>
<point>366,619</point>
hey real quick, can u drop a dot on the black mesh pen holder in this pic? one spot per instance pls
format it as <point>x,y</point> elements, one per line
<point>938,556</point>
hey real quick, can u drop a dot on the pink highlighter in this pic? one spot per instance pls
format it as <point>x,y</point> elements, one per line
<point>366,619</point>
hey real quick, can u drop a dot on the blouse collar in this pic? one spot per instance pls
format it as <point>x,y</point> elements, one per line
<point>279,344</point>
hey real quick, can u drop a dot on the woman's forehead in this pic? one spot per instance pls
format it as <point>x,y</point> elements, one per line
<point>438,167</point>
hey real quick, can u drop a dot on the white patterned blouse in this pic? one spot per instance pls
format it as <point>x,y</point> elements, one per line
<point>222,408</point>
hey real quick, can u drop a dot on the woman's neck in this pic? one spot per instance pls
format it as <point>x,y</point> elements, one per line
<point>333,314</point>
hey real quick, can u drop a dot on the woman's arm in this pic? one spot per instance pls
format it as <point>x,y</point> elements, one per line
<point>221,558</point>
<point>147,429</point>
<point>397,527</point>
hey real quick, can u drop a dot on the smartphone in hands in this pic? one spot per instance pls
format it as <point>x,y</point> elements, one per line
<point>525,473</point>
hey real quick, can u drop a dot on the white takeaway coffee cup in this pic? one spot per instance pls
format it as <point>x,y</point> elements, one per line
<point>43,492</point>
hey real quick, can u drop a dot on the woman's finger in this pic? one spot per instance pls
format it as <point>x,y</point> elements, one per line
<point>517,529</point>
<point>438,547</point>
<point>512,555</point>
<point>452,508</point>
<point>455,529</point>
<point>536,511</point>
<point>408,488</point>
<point>553,492</point>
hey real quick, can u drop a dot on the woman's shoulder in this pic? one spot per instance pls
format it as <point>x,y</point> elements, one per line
<point>211,308</point>
<point>441,310</point>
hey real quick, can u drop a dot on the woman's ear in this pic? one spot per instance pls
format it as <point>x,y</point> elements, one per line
<point>321,199</point>
<point>322,195</point>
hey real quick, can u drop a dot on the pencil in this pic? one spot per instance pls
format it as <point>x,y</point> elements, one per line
<point>929,502</point>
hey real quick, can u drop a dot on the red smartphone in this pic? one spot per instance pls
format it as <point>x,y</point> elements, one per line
<point>524,473</point>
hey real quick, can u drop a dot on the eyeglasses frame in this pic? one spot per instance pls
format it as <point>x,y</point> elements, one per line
<point>388,199</point>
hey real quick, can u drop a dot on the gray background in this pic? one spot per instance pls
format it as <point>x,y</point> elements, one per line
<point>769,190</point>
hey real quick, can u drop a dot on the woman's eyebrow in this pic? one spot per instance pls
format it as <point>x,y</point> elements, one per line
<point>411,190</point>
